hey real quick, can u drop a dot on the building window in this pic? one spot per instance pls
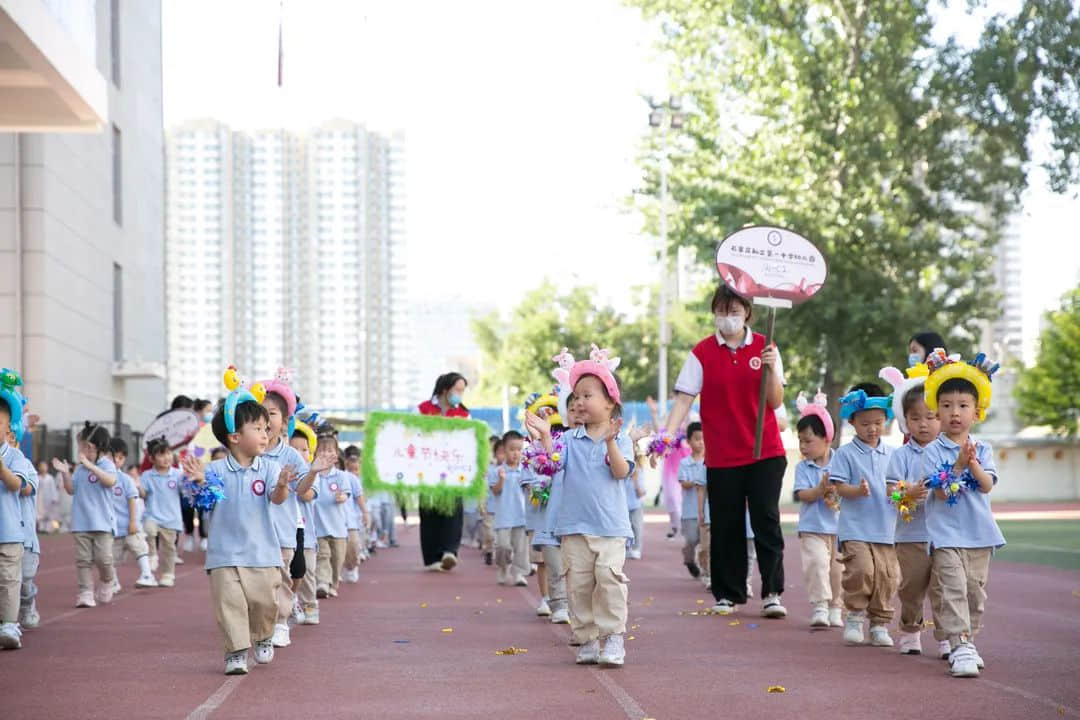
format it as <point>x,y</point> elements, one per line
<point>117,180</point>
<point>114,40</point>
<point>118,312</point>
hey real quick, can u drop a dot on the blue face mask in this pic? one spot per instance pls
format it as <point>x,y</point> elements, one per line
<point>208,417</point>
<point>914,359</point>
<point>454,399</point>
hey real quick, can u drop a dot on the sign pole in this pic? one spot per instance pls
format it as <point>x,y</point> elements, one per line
<point>770,326</point>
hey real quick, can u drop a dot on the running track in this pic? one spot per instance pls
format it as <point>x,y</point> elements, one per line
<point>381,652</point>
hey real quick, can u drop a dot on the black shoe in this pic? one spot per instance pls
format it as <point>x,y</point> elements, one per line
<point>694,569</point>
<point>671,534</point>
<point>489,558</point>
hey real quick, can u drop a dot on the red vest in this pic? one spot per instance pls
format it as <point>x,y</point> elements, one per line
<point>429,408</point>
<point>729,403</point>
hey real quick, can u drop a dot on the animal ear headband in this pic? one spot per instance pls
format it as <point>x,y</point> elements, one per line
<point>601,366</point>
<point>239,392</point>
<point>818,408</point>
<point>9,380</point>
<point>979,372</point>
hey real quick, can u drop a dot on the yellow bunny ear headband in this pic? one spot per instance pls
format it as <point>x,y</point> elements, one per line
<point>979,372</point>
<point>239,393</point>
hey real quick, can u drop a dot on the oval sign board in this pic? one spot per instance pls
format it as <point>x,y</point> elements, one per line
<point>176,426</point>
<point>764,261</point>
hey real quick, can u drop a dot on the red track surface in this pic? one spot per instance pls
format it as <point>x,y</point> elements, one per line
<point>379,654</point>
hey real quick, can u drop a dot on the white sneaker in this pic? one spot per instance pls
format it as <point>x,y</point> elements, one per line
<point>179,560</point>
<point>723,607</point>
<point>589,653</point>
<point>85,599</point>
<point>434,567</point>
<point>236,663</point>
<point>853,629</point>
<point>502,576</point>
<point>381,545</point>
<point>146,581</point>
<point>521,582</point>
<point>449,561</point>
<point>297,612</point>
<point>116,588</point>
<point>771,607</point>
<point>614,652</point>
<point>352,576</point>
<point>189,544</point>
<point>543,610</point>
<point>311,617</point>
<point>633,554</point>
<point>331,591</point>
<point>28,616</point>
<point>880,637</point>
<point>10,636</point>
<point>104,594</point>
<point>264,652</point>
<point>820,617</point>
<point>560,617</point>
<point>944,649</point>
<point>910,643</point>
<point>153,563</point>
<point>978,658</point>
<point>962,662</point>
<point>202,544</point>
<point>167,581</point>
<point>836,617</point>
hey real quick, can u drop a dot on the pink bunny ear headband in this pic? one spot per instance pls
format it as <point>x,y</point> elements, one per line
<point>282,385</point>
<point>600,366</point>
<point>817,408</point>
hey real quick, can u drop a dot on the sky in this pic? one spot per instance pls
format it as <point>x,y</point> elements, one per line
<point>522,121</point>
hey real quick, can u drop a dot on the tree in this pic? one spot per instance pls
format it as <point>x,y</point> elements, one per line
<point>1049,392</point>
<point>899,158</point>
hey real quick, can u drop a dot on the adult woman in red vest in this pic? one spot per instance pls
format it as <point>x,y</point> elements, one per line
<point>725,370</point>
<point>440,534</point>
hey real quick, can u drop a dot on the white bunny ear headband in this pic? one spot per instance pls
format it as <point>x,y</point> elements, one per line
<point>901,387</point>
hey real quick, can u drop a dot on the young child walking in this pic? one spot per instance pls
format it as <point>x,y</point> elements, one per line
<point>16,475</point>
<point>867,522</point>
<point>593,524</point>
<point>511,542</point>
<point>163,519</point>
<point>127,533</point>
<point>330,526</point>
<point>819,506</point>
<point>691,476</point>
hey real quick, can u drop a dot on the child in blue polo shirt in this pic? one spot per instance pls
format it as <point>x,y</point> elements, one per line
<point>959,521</point>
<point>867,521</point>
<point>243,556</point>
<point>127,533</point>
<point>331,527</point>
<point>163,519</point>
<point>16,474</point>
<point>511,541</point>
<point>691,473</point>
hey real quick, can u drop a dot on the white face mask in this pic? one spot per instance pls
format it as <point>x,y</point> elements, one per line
<point>729,324</point>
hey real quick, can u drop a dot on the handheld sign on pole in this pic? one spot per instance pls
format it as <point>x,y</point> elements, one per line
<point>776,268</point>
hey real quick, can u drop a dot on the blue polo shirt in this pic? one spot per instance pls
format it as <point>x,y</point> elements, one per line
<point>163,497</point>
<point>241,529</point>
<point>510,502</point>
<point>907,464</point>
<point>691,470</point>
<point>287,515</point>
<point>869,519</point>
<point>970,522</point>
<point>593,500</point>
<point>815,517</point>
<point>329,513</point>
<point>92,505</point>
<point>123,491</point>
<point>12,513</point>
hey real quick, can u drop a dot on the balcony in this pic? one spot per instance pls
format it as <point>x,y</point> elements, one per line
<point>49,81</point>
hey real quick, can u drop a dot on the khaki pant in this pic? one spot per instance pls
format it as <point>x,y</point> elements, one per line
<point>352,549</point>
<point>915,580</point>
<point>512,551</point>
<point>487,531</point>
<point>703,550</point>
<point>93,549</point>
<point>306,591</point>
<point>285,594</point>
<point>595,585</point>
<point>958,591</point>
<point>329,562</point>
<point>871,576</point>
<point>822,571</point>
<point>135,544</point>
<point>244,604</point>
<point>556,577</point>
<point>11,555</point>
<point>166,538</point>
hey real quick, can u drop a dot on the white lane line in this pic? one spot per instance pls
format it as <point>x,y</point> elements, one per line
<point>213,702</point>
<point>130,593</point>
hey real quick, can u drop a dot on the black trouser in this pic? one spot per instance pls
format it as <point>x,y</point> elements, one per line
<point>440,533</point>
<point>731,491</point>
<point>298,566</point>
<point>188,514</point>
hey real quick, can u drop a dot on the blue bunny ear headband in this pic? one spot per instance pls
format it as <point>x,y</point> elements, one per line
<point>239,393</point>
<point>9,380</point>
<point>858,401</point>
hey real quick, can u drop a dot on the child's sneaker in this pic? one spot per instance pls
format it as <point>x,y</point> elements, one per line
<point>179,560</point>
<point>560,617</point>
<point>203,544</point>
<point>10,637</point>
<point>723,607</point>
<point>297,611</point>
<point>853,629</point>
<point>694,570</point>
<point>521,581</point>
<point>543,609</point>
<point>614,652</point>
<point>633,554</point>
<point>944,649</point>
<point>104,593</point>
<point>167,581</point>
<point>85,599</point>
<point>489,558</point>
<point>322,592</point>
<point>189,544</point>
<point>502,575</point>
<point>880,637</point>
<point>430,567</point>
<point>264,652</point>
<point>311,616</point>
<point>962,661</point>
<point>331,591</point>
<point>771,607</point>
<point>836,617</point>
<point>820,617</point>
<point>116,587</point>
<point>589,653</point>
<point>236,663</point>
<point>280,637</point>
<point>28,615</point>
<point>911,643</point>
<point>146,581</point>
<point>978,658</point>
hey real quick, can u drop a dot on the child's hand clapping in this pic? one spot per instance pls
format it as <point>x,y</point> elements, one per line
<point>612,429</point>
<point>61,466</point>
<point>323,462</point>
<point>537,424</point>
<point>917,491</point>
<point>286,476</point>
<point>864,488</point>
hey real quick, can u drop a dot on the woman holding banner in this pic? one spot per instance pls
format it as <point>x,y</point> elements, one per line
<point>440,534</point>
<point>725,369</point>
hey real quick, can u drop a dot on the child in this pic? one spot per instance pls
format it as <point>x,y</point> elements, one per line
<point>963,533</point>
<point>867,522</point>
<point>302,568</point>
<point>692,476</point>
<point>126,531</point>
<point>16,475</point>
<point>243,557</point>
<point>511,543</point>
<point>356,522</point>
<point>487,525</point>
<point>163,519</point>
<point>329,505</point>
<point>635,490</point>
<point>818,510</point>
<point>705,537</point>
<point>92,517</point>
<point>906,466</point>
<point>538,486</point>
<point>593,524</point>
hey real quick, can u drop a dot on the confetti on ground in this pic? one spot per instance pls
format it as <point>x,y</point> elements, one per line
<point>929,623</point>
<point>423,605</point>
<point>776,689</point>
<point>457,597</point>
<point>634,627</point>
<point>700,602</point>
<point>1076,593</point>
<point>587,691</point>
<point>512,651</point>
<point>631,638</point>
<point>448,630</point>
<point>752,626</point>
<point>733,623</point>
<point>498,600</point>
<point>479,612</point>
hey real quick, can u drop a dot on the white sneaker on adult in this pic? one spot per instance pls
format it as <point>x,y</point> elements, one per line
<point>588,653</point>
<point>771,607</point>
<point>836,617</point>
<point>962,661</point>
<point>820,617</point>
<point>853,629</point>
<point>189,544</point>
<point>723,607</point>
<point>236,663</point>
<point>910,643</point>
<point>944,649</point>
<point>434,567</point>
<point>633,554</point>
<point>280,637</point>
<point>146,581</point>
<point>502,576</point>
<point>560,617</point>
<point>449,561</point>
<point>264,652</point>
<point>85,599</point>
<point>614,652</point>
<point>880,637</point>
<point>543,609</point>
<point>10,636</point>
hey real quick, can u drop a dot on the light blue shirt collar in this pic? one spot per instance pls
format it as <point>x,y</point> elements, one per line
<point>234,466</point>
<point>866,449</point>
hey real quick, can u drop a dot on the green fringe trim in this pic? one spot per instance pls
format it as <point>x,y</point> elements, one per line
<point>441,498</point>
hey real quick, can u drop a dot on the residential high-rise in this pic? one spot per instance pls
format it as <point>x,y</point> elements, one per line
<point>1003,338</point>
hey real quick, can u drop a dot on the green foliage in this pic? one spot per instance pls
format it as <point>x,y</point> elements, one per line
<point>1049,392</point>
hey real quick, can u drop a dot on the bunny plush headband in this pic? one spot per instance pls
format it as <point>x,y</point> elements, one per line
<point>600,366</point>
<point>239,392</point>
<point>818,408</point>
<point>979,372</point>
<point>282,385</point>
<point>916,378</point>
<point>9,380</point>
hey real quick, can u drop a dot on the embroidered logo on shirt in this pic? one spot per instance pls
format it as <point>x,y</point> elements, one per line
<point>333,487</point>
<point>92,478</point>
<point>258,487</point>
<point>755,363</point>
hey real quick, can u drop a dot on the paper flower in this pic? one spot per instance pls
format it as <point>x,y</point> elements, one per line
<point>950,483</point>
<point>207,494</point>
<point>904,505</point>
<point>664,443</point>
<point>512,651</point>
<point>540,462</point>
